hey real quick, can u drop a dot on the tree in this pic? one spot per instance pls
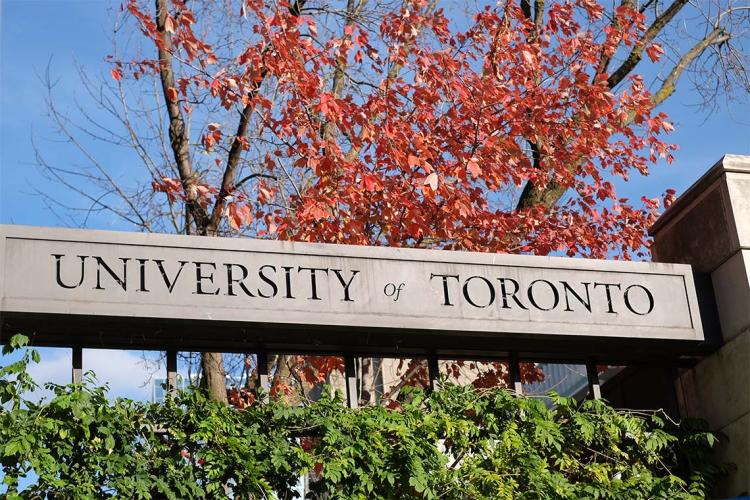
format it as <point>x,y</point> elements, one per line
<point>384,123</point>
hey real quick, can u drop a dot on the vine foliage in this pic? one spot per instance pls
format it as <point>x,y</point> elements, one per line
<point>458,442</point>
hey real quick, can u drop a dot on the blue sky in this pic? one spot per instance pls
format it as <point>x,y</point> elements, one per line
<point>66,33</point>
<point>34,33</point>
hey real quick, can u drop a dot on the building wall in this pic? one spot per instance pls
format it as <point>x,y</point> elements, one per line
<point>717,390</point>
<point>709,228</point>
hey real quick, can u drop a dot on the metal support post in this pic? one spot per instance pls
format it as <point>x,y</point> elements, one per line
<point>352,396</point>
<point>515,375</point>
<point>433,369</point>
<point>595,390</point>
<point>171,372</point>
<point>77,365</point>
<point>264,381</point>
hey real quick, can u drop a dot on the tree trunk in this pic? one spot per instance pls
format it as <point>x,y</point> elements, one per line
<point>214,377</point>
<point>370,380</point>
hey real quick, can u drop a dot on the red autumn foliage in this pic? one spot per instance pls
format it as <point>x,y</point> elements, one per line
<point>428,140</point>
<point>423,158</point>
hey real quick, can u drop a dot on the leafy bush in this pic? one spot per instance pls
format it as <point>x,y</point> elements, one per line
<point>458,442</point>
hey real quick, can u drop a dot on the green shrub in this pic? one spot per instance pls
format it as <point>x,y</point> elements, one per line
<point>456,443</point>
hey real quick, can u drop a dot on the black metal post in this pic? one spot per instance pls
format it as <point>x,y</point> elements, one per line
<point>433,370</point>
<point>171,371</point>
<point>264,381</point>
<point>595,390</point>
<point>77,365</point>
<point>515,374</point>
<point>352,396</point>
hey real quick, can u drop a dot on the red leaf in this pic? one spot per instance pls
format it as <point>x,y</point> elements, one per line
<point>370,182</point>
<point>432,181</point>
<point>316,210</point>
<point>655,52</point>
<point>116,74</point>
<point>172,94</point>
<point>238,215</point>
<point>169,25</point>
<point>528,57</point>
<point>474,167</point>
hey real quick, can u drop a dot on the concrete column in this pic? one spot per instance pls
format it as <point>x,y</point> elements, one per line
<point>709,228</point>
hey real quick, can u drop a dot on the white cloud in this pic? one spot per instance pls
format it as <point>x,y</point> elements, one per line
<point>124,371</point>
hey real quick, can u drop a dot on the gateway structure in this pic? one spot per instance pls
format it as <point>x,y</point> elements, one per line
<point>80,288</point>
<point>280,287</point>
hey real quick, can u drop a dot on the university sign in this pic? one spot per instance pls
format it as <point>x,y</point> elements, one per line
<point>88,274</point>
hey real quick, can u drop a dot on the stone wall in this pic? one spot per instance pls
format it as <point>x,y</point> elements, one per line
<point>709,228</point>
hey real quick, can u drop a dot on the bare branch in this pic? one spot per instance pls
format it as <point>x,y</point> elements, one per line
<point>648,37</point>
<point>353,9</point>
<point>253,176</point>
<point>235,150</point>
<point>606,59</point>
<point>716,36</point>
<point>177,132</point>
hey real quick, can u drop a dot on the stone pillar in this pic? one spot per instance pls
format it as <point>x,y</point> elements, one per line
<point>709,228</point>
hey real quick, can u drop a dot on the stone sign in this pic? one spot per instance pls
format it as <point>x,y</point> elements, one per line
<point>117,274</point>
